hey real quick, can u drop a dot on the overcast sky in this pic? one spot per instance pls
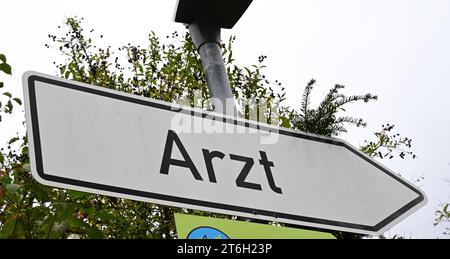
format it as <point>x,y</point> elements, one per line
<point>398,50</point>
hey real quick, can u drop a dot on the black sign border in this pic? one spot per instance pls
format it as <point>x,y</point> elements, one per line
<point>51,178</point>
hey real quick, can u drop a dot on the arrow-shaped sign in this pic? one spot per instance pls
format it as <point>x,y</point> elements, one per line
<point>101,141</point>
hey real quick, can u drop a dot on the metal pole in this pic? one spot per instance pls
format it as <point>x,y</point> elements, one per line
<point>207,40</point>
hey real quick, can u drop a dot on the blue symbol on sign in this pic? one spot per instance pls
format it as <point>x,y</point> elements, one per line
<point>207,233</point>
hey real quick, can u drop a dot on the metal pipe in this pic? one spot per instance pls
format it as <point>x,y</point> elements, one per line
<point>206,38</point>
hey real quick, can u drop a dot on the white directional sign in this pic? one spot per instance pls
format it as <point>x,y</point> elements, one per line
<point>101,141</point>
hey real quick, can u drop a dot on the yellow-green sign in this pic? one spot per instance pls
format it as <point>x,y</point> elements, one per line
<point>196,227</point>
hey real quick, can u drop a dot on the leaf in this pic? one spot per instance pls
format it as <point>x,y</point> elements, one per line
<point>3,58</point>
<point>17,100</point>
<point>13,188</point>
<point>91,231</point>
<point>2,84</point>
<point>7,229</point>
<point>40,192</point>
<point>19,231</point>
<point>25,151</point>
<point>87,208</point>
<point>62,69</point>
<point>60,227</point>
<point>2,159</point>
<point>5,179</point>
<point>60,207</point>
<point>94,233</point>
<point>9,105</point>
<point>67,214</point>
<point>13,140</point>
<point>5,68</point>
<point>8,94</point>
<point>26,166</point>
<point>106,215</point>
<point>77,195</point>
<point>77,223</point>
<point>285,123</point>
<point>37,214</point>
<point>248,71</point>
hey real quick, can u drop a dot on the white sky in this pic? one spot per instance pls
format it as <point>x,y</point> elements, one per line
<point>398,50</point>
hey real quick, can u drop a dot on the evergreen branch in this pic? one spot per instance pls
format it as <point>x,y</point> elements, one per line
<point>306,96</point>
